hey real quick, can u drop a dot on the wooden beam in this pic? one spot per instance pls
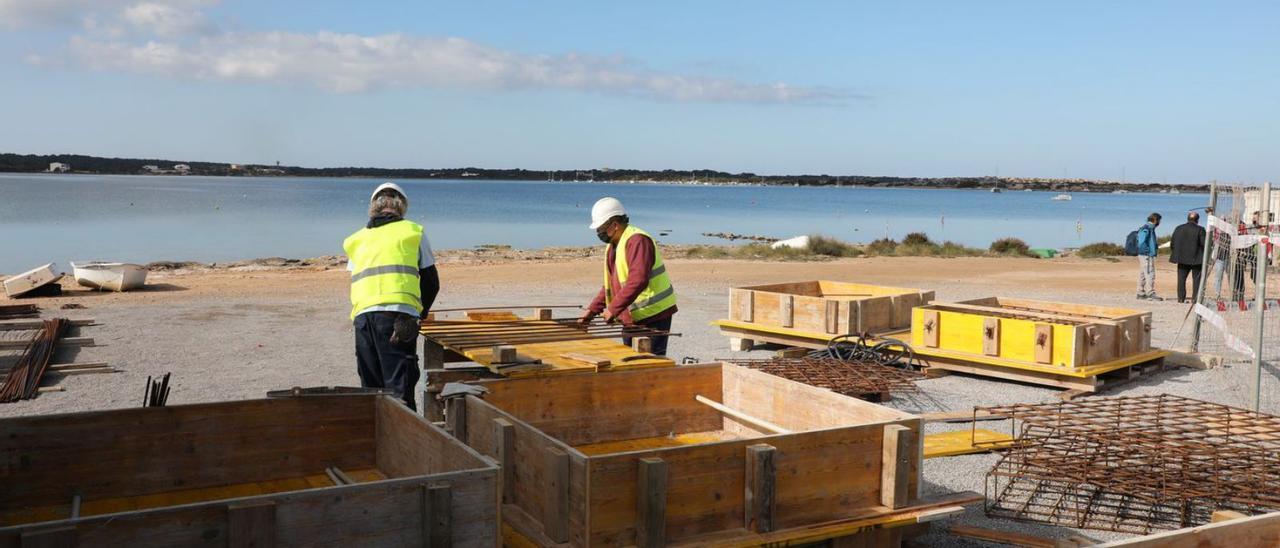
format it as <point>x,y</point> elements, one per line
<point>504,436</point>
<point>251,525</point>
<point>65,341</point>
<point>757,423</point>
<point>833,317</point>
<point>738,344</point>
<point>895,465</point>
<point>643,345</point>
<point>437,515</point>
<point>456,418</point>
<point>929,319</point>
<point>991,336</point>
<point>555,506</point>
<point>503,353</point>
<point>542,313</point>
<point>432,354</point>
<point>651,503</point>
<point>1043,343</point>
<point>15,325</point>
<point>1250,532</point>
<point>760,488</point>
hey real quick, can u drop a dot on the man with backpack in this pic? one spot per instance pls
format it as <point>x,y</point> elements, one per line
<point>1143,243</point>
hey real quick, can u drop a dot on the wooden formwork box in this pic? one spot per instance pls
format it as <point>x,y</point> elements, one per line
<point>245,473</point>
<point>825,308</point>
<point>635,458</point>
<point>1062,335</point>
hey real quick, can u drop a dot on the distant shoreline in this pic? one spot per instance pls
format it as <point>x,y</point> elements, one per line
<point>91,165</point>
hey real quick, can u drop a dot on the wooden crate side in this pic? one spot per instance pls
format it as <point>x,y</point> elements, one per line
<point>875,315</point>
<point>386,513</point>
<point>1100,342</point>
<point>809,314</point>
<point>583,409</point>
<point>1099,312</point>
<point>409,445</point>
<point>1261,531</point>
<point>794,405</point>
<point>819,476</point>
<point>530,474</point>
<point>903,304</point>
<point>768,307</point>
<point>809,288</point>
<point>142,451</point>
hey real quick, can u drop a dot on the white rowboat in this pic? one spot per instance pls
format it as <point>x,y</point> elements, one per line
<point>110,276</point>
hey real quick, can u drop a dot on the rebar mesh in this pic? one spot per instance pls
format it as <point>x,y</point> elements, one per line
<point>848,377</point>
<point>1134,464</point>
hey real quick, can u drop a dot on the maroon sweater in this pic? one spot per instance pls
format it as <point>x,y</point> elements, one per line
<point>640,254</point>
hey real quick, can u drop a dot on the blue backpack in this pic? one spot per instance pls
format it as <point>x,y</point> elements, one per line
<point>1131,242</point>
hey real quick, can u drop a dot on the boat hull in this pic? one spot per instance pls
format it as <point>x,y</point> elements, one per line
<point>110,276</point>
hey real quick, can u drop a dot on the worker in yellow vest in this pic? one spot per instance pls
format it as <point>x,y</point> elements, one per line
<point>393,283</point>
<point>637,290</point>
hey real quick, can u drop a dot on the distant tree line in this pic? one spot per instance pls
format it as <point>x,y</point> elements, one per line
<point>32,163</point>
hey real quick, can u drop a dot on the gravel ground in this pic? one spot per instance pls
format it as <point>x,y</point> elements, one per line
<point>226,344</point>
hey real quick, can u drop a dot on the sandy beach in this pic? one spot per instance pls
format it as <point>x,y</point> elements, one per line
<point>236,332</point>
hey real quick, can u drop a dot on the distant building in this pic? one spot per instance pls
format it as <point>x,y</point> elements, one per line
<point>236,167</point>
<point>151,169</point>
<point>182,169</point>
<point>59,167</point>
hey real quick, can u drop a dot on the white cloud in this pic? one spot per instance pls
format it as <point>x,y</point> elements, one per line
<point>348,63</point>
<point>175,39</point>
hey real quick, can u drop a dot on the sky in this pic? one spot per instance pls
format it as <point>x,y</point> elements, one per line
<point>1136,90</point>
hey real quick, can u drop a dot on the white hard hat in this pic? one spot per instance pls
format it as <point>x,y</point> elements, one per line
<point>605,209</point>
<point>389,186</point>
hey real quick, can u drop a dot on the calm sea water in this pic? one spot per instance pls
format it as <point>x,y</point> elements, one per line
<point>57,218</point>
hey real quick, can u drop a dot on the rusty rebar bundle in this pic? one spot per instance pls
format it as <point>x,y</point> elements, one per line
<point>848,377</point>
<point>463,335</point>
<point>23,380</point>
<point>1134,464</point>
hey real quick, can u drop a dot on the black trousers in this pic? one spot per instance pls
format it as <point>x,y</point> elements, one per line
<point>1183,270</point>
<point>382,363</point>
<point>659,343</point>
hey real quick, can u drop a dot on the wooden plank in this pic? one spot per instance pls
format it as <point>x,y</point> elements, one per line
<point>555,510</point>
<point>1251,532</point>
<point>251,525</point>
<point>57,537</point>
<point>930,327</point>
<point>542,314</point>
<point>437,515</point>
<point>738,344</point>
<point>991,336</point>
<point>505,436</point>
<point>586,358</point>
<point>408,445</point>
<point>1002,537</point>
<point>651,486</point>
<point>895,469</point>
<point>753,422</point>
<point>760,496</point>
<point>833,317</point>
<point>786,311</point>
<point>987,370</point>
<point>875,314</point>
<point>742,305</point>
<point>1044,343</point>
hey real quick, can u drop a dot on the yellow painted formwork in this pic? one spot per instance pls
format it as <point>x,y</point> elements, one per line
<point>1060,338</point>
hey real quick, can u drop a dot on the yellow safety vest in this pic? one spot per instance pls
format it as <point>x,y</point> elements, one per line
<point>384,264</point>
<point>657,296</point>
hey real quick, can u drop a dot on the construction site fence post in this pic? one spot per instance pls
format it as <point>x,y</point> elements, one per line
<point>1205,265</point>
<point>1260,287</point>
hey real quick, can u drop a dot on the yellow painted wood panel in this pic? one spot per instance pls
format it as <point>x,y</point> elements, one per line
<point>961,442</point>
<point>963,332</point>
<point>642,444</point>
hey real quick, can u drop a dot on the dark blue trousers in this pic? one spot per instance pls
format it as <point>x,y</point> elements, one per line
<point>382,363</point>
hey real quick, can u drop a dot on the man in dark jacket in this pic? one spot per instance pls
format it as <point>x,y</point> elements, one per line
<point>1187,251</point>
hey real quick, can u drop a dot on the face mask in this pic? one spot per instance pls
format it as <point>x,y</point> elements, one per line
<point>603,235</point>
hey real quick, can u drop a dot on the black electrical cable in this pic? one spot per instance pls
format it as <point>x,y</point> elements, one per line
<point>854,347</point>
